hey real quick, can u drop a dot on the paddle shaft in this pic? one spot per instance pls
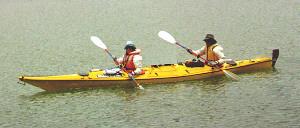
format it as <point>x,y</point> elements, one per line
<point>133,79</point>
<point>187,49</point>
<point>181,45</point>
<point>110,55</point>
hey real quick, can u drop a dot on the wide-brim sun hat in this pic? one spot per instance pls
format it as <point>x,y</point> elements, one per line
<point>210,38</point>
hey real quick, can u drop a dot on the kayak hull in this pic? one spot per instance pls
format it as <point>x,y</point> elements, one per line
<point>154,74</point>
<point>76,81</point>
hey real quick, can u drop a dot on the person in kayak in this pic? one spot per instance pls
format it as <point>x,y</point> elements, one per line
<point>131,60</point>
<point>212,52</point>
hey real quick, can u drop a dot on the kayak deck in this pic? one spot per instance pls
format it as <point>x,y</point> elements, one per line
<point>153,74</point>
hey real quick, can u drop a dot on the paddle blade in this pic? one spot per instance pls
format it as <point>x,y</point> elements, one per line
<point>98,42</point>
<point>167,37</point>
<point>231,75</point>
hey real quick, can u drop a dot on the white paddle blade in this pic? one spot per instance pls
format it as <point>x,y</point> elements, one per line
<point>167,37</point>
<point>98,42</point>
<point>231,75</point>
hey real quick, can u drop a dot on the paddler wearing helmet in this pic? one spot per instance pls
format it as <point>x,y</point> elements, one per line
<point>211,52</point>
<point>131,60</point>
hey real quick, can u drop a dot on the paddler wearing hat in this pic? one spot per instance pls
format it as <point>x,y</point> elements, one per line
<point>211,52</point>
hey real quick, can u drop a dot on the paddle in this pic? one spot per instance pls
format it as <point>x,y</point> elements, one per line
<point>100,44</point>
<point>169,38</point>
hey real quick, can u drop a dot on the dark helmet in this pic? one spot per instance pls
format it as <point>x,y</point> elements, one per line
<point>130,45</point>
<point>209,38</point>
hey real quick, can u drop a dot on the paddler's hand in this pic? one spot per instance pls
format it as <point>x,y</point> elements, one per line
<point>212,63</point>
<point>190,51</point>
<point>132,73</point>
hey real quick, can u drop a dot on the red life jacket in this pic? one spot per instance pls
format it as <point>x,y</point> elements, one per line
<point>128,63</point>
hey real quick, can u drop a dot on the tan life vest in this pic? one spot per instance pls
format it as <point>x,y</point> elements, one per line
<point>210,54</point>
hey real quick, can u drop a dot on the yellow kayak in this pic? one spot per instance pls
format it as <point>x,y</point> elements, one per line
<point>154,74</point>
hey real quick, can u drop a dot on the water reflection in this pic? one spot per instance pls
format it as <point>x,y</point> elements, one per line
<point>214,84</point>
<point>126,93</point>
<point>130,93</point>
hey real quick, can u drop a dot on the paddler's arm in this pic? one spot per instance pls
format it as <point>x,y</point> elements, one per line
<point>137,60</point>
<point>136,52</point>
<point>197,53</point>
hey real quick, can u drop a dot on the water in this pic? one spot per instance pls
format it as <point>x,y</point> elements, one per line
<point>43,37</point>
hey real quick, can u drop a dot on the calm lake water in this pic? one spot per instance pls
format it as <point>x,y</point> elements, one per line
<point>51,37</point>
